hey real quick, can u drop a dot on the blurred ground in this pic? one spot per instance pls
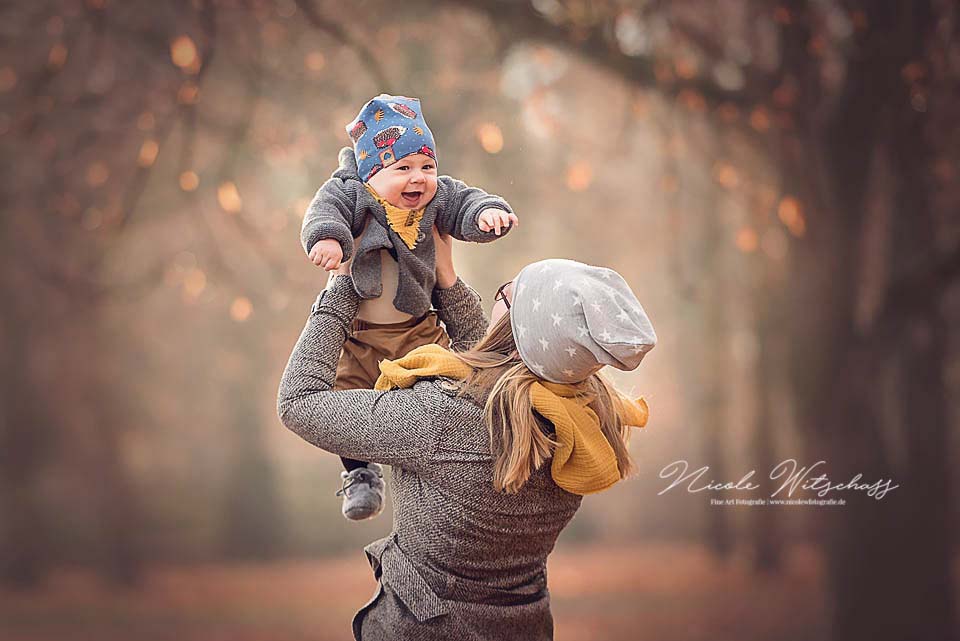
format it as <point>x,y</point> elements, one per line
<point>656,592</point>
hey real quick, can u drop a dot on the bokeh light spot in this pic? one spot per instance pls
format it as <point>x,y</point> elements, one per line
<point>148,153</point>
<point>491,138</point>
<point>183,52</point>
<point>97,174</point>
<point>8,79</point>
<point>189,181</point>
<point>579,176</point>
<point>241,308</point>
<point>229,197</point>
<point>747,240</point>
<point>314,61</point>
<point>57,56</point>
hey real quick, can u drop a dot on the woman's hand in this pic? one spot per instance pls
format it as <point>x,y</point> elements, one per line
<point>446,274</point>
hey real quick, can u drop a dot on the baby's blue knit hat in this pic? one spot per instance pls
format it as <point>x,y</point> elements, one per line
<point>387,129</point>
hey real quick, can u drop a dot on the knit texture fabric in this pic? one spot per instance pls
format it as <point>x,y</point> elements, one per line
<point>583,461</point>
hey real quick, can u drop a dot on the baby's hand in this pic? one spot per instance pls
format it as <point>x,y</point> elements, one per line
<point>326,253</point>
<point>496,219</point>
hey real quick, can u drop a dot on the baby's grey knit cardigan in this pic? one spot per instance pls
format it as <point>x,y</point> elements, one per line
<point>463,561</point>
<point>341,206</point>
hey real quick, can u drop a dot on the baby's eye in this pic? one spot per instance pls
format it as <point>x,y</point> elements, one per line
<point>403,167</point>
<point>428,167</point>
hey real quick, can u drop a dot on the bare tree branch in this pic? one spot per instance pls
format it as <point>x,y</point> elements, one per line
<point>340,35</point>
<point>234,137</point>
<point>686,285</point>
<point>524,23</point>
<point>132,195</point>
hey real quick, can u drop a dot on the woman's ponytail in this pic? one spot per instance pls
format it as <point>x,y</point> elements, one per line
<point>518,442</point>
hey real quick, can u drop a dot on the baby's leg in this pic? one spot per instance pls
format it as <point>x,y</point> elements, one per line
<point>350,464</point>
<point>425,332</point>
<point>362,484</point>
<point>358,368</point>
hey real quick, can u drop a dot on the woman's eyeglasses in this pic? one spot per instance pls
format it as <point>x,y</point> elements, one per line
<point>501,295</point>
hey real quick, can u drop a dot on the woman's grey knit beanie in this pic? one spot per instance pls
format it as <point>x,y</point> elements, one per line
<point>570,319</point>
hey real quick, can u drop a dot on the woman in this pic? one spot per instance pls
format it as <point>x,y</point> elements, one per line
<point>477,509</point>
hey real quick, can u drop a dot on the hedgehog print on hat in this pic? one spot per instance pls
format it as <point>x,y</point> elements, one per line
<point>387,129</point>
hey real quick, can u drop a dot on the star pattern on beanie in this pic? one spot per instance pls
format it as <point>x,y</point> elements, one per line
<point>565,343</point>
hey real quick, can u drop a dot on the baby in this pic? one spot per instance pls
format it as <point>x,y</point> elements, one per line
<point>377,211</point>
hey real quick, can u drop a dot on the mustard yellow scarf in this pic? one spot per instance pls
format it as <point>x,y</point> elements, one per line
<point>583,461</point>
<point>405,222</point>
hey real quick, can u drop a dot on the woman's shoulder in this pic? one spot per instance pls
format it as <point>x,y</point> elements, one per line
<point>445,394</point>
<point>456,418</point>
<point>448,386</point>
<point>443,385</point>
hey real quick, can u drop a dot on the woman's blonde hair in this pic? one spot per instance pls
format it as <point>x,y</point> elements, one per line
<point>502,383</point>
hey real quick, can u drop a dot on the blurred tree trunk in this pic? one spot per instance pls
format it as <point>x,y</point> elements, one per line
<point>767,542</point>
<point>712,377</point>
<point>254,526</point>
<point>924,516</point>
<point>26,428</point>
<point>877,589</point>
<point>119,556</point>
<point>253,522</point>
<point>24,441</point>
<point>919,332</point>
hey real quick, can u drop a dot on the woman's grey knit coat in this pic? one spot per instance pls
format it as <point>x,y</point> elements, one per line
<point>463,561</point>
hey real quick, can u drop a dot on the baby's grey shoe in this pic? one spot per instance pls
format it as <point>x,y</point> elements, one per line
<point>362,492</point>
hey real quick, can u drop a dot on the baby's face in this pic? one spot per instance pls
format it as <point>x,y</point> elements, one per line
<point>409,183</point>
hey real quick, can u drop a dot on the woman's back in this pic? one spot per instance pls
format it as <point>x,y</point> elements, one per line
<point>461,551</point>
<point>449,515</point>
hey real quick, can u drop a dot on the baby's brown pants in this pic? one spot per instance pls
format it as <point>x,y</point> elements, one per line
<point>372,342</point>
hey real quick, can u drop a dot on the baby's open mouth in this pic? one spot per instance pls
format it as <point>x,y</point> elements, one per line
<point>411,197</point>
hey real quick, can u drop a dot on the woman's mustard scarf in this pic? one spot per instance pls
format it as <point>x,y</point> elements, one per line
<point>583,461</point>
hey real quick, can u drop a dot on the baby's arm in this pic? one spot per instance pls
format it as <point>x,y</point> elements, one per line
<point>331,222</point>
<point>472,214</point>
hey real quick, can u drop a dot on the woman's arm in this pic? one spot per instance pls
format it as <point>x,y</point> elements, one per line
<point>392,427</point>
<point>457,304</point>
